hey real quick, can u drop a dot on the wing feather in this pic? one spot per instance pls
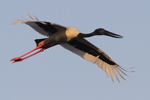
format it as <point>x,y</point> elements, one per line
<point>35,17</point>
<point>116,74</point>
<point>107,71</point>
<point>100,64</point>
<point>111,73</point>
<point>30,16</point>
<point>103,66</point>
<point>119,73</point>
<point>122,71</point>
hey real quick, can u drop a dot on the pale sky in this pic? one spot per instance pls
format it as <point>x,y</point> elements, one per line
<point>58,74</point>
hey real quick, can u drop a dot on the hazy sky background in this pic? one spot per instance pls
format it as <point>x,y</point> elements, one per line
<point>58,74</point>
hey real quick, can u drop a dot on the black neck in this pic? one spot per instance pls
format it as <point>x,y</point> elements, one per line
<point>86,35</point>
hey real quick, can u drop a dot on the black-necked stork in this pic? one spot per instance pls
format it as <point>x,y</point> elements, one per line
<point>73,40</point>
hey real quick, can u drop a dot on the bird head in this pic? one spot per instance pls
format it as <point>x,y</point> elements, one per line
<point>101,31</point>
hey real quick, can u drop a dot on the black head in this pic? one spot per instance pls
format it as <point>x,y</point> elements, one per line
<point>101,31</point>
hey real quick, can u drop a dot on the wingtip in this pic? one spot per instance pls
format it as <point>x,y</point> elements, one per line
<point>35,17</point>
<point>13,23</point>
<point>16,22</point>
<point>114,70</point>
<point>30,16</point>
<point>111,74</point>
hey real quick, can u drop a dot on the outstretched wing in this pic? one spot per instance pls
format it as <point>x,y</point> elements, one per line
<point>44,28</point>
<point>95,55</point>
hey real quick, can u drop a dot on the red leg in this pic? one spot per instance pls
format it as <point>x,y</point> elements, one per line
<point>17,59</point>
<point>20,59</point>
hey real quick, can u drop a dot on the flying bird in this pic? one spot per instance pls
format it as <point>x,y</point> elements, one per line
<point>73,40</point>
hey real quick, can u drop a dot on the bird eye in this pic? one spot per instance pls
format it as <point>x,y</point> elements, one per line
<point>100,31</point>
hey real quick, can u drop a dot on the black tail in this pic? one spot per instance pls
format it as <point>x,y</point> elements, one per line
<point>39,40</point>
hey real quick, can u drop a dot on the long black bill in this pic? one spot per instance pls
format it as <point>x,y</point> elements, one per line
<point>112,34</point>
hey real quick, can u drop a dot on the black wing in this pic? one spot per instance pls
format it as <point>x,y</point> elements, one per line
<point>44,28</point>
<point>95,55</point>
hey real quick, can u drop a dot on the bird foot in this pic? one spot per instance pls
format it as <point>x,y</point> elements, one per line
<point>17,59</point>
